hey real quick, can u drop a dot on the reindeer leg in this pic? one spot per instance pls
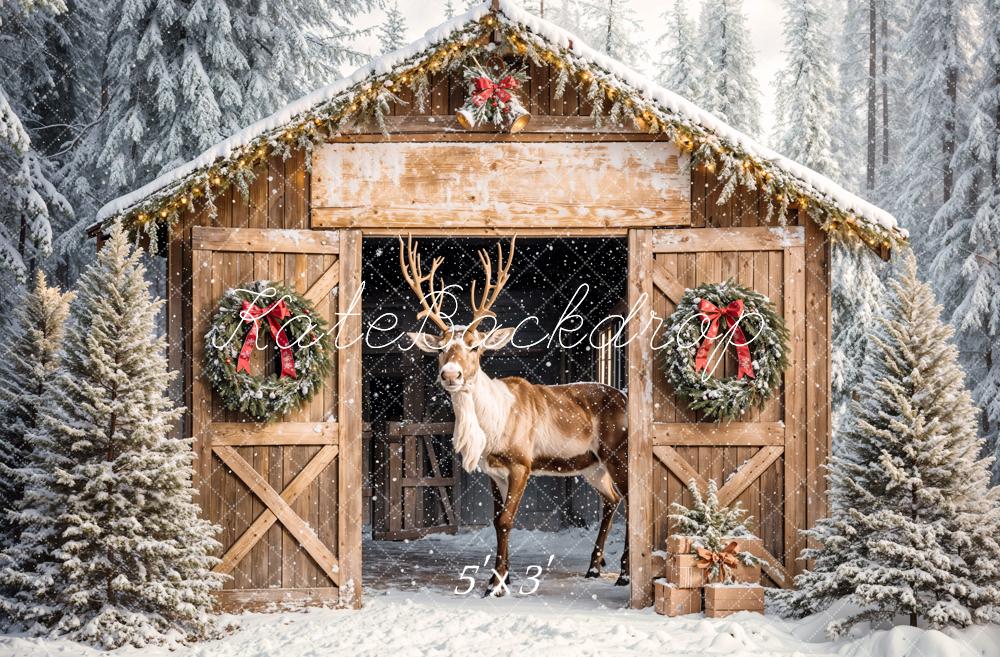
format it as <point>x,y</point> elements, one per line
<point>623,576</point>
<point>600,480</point>
<point>517,480</point>
<point>617,465</point>
<point>597,556</point>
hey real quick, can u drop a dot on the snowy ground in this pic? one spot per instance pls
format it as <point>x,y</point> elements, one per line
<point>410,608</point>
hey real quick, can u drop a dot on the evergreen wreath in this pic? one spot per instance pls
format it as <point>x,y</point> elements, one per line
<point>288,318</point>
<point>492,94</point>
<point>740,317</point>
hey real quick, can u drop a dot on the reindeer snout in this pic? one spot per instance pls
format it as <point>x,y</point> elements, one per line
<point>450,377</point>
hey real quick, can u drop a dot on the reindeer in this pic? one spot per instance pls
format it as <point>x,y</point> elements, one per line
<point>510,428</point>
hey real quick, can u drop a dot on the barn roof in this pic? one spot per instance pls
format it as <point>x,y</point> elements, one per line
<point>365,96</point>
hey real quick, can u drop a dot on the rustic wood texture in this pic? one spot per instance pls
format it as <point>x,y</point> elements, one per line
<point>640,402</point>
<point>758,461</point>
<point>411,445</point>
<point>788,493</point>
<point>349,512</point>
<point>462,184</point>
<point>273,488</point>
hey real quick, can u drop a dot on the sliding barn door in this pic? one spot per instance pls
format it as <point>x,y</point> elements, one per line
<point>759,459</point>
<point>287,495</point>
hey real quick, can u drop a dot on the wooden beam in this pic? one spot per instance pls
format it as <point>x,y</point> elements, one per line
<point>426,482</point>
<point>263,240</point>
<point>496,231</point>
<point>396,219</point>
<point>667,283</point>
<point>301,532</point>
<point>679,466</point>
<point>350,516</point>
<point>276,435</point>
<point>748,473</point>
<point>323,285</point>
<point>739,434</point>
<point>403,184</point>
<point>728,239</point>
<point>770,564</point>
<point>796,475</point>
<point>242,600</point>
<point>640,442</point>
<point>446,123</point>
<point>258,529</point>
<point>456,136</point>
<point>418,428</point>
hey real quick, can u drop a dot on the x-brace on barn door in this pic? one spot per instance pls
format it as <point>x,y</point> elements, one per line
<point>759,459</point>
<point>287,494</point>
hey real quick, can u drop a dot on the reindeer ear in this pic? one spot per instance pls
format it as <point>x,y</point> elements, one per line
<point>426,342</point>
<point>498,338</point>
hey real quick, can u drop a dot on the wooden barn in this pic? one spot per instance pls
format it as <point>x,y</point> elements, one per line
<point>610,182</point>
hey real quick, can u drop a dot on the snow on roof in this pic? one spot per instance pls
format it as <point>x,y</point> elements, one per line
<point>508,12</point>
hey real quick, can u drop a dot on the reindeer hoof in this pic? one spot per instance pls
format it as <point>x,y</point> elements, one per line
<point>497,589</point>
<point>622,580</point>
<point>593,572</point>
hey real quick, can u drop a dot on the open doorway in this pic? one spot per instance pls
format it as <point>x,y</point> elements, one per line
<point>427,522</point>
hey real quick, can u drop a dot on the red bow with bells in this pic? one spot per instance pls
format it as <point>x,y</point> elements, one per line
<point>732,313</point>
<point>274,313</point>
<point>486,89</point>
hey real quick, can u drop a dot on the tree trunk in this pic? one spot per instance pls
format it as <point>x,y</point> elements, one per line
<point>948,145</point>
<point>885,85</point>
<point>872,115</point>
<point>611,13</point>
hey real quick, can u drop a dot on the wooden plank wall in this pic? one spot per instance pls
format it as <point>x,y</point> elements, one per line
<point>447,94</point>
<point>747,209</point>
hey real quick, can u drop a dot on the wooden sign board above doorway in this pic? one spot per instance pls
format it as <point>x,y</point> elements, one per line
<point>605,185</point>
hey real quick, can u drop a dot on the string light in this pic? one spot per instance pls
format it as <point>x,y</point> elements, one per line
<point>649,120</point>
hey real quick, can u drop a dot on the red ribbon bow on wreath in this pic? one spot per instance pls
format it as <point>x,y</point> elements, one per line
<point>732,313</point>
<point>274,313</point>
<point>487,88</point>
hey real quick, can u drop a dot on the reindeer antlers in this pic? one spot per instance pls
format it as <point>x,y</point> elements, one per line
<point>481,310</point>
<point>409,263</point>
<point>413,273</point>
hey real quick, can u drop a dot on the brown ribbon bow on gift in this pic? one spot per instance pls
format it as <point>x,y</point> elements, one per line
<point>724,559</point>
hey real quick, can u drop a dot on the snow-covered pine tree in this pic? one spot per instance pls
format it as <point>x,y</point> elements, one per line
<point>938,59</point>
<point>29,202</point>
<point>707,518</point>
<point>730,90</point>
<point>449,9</point>
<point>613,29</point>
<point>969,228</point>
<point>392,32</point>
<point>180,75</point>
<point>679,71</point>
<point>111,549</point>
<point>804,89</point>
<point>848,132</point>
<point>856,297</point>
<point>67,108</point>
<point>913,526</point>
<point>34,338</point>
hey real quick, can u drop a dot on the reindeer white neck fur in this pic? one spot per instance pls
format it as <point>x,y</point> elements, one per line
<point>480,413</point>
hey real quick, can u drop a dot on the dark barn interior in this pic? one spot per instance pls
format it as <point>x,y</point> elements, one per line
<point>412,486</point>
